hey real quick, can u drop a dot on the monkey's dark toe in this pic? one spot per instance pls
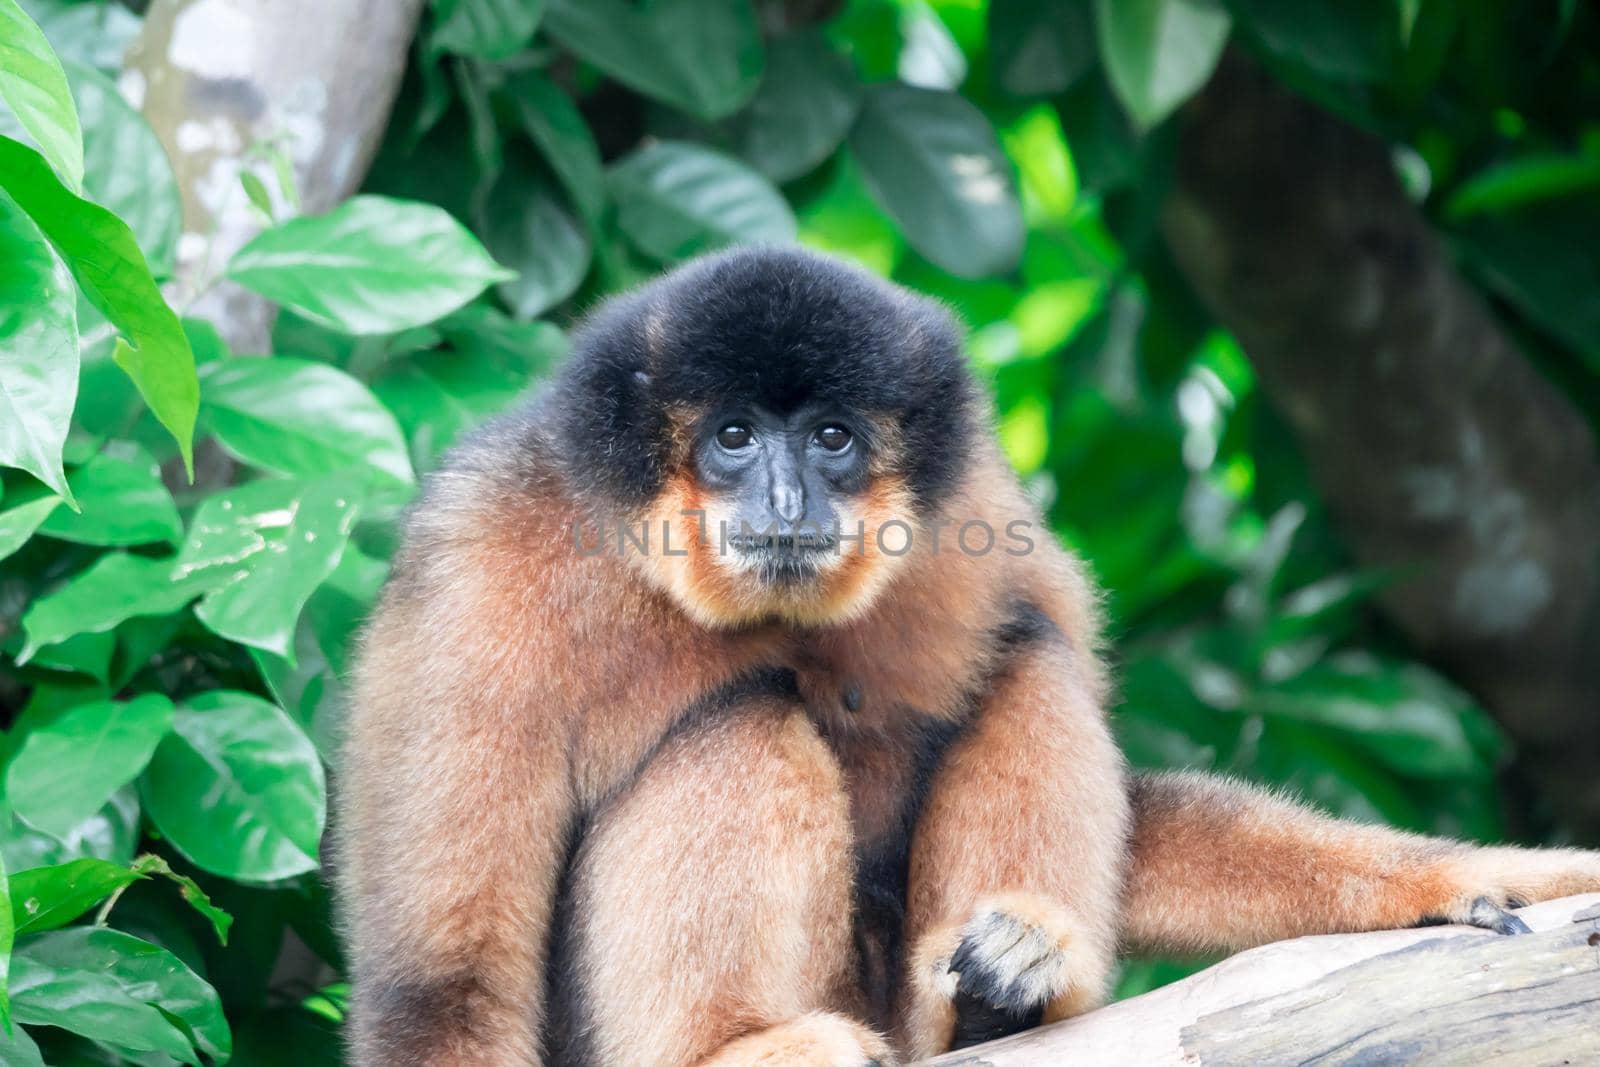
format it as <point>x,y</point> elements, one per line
<point>1488,915</point>
<point>1485,914</point>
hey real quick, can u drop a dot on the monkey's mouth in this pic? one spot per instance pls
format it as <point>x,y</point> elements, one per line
<point>799,544</point>
<point>785,559</point>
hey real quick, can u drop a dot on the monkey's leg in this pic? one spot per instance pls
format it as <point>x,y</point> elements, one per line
<point>1220,865</point>
<point>708,913</point>
<point>1016,862</point>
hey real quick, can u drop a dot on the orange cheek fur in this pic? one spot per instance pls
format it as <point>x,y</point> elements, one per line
<point>716,593</point>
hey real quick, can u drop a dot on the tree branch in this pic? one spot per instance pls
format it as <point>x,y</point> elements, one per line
<point>1445,994</point>
<point>1438,446</point>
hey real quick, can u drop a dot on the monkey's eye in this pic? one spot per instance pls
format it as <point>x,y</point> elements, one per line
<point>833,438</point>
<point>734,436</point>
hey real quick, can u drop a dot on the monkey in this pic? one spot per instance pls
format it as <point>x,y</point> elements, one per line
<point>680,737</point>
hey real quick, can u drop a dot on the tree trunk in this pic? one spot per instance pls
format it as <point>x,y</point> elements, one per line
<point>1439,448</point>
<point>227,82</point>
<point>1441,995</point>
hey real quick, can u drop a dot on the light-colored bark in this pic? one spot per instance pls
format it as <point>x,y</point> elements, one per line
<point>222,81</point>
<point>1442,994</point>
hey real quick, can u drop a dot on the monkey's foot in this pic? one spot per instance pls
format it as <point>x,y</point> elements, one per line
<point>820,1039</point>
<point>1485,914</point>
<point>1491,881</point>
<point>1020,958</point>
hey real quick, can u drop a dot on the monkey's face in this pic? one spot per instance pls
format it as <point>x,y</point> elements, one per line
<point>795,510</point>
<point>779,483</point>
<point>778,425</point>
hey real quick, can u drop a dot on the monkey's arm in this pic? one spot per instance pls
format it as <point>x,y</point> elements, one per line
<point>453,829</point>
<point>1219,865</point>
<point>1017,859</point>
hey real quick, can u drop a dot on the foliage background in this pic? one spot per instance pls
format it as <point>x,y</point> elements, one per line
<point>172,652</point>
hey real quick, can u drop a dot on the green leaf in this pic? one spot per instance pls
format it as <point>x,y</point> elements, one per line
<point>488,29</point>
<point>7,934</point>
<point>371,265</point>
<point>1040,47</point>
<point>256,191</point>
<point>284,539</point>
<point>1521,182</point>
<point>842,219</point>
<point>1409,10</point>
<point>303,419</point>
<point>109,834</point>
<point>437,396</point>
<point>1355,40</point>
<point>105,259</point>
<point>238,788</point>
<point>33,83</point>
<point>68,768</point>
<point>1404,715</point>
<point>676,199</point>
<point>18,523</point>
<point>18,1050</point>
<point>1106,149</point>
<point>118,586</point>
<point>111,986</point>
<point>125,168</point>
<point>191,892</point>
<point>529,229</point>
<point>808,98</point>
<point>96,34</point>
<point>702,56</point>
<point>1541,261</point>
<point>555,124</point>
<point>46,898</point>
<point>1159,53</point>
<point>311,689</point>
<point>38,350</point>
<point>1318,765</point>
<point>85,654</point>
<point>122,501</point>
<point>932,162</point>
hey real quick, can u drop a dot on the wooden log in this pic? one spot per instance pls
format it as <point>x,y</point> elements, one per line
<point>1438,995</point>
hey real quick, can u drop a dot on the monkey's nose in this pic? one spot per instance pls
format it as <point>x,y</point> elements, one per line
<point>789,502</point>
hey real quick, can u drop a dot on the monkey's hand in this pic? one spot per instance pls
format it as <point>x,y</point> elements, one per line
<point>1020,959</point>
<point>820,1039</point>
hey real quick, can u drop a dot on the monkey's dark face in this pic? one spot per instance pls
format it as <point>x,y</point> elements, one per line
<point>790,420</point>
<point>781,476</point>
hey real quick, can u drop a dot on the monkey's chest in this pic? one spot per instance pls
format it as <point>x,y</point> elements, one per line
<point>889,752</point>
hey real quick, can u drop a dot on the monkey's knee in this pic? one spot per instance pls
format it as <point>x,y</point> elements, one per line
<point>712,899</point>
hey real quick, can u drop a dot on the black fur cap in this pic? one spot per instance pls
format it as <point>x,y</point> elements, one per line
<point>778,328</point>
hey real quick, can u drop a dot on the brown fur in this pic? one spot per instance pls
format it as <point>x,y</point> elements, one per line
<point>758,798</point>
<point>515,697</point>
